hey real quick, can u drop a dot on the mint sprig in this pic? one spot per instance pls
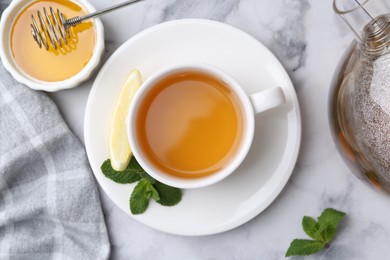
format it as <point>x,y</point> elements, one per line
<point>139,199</point>
<point>146,188</point>
<point>129,175</point>
<point>304,247</point>
<point>169,196</point>
<point>321,231</point>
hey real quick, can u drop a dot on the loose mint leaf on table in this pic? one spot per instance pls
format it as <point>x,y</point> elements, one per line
<point>322,231</point>
<point>129,175</point>
<point>304,247</point>
<point>328,222</point>
<point>169,196</point>
<point>326,234</point>
<point>310,226</point>
<point>330,217</point>
<point>146,188</point>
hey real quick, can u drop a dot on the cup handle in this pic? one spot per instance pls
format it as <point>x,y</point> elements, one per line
<point>267,99</point>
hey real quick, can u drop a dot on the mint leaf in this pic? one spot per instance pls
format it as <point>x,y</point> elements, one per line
<point>133,164</point>
<point>326,234</point>
<point>310,227</point>
<point>169,196</point>
<point>304,247</point>
<point>330,217</point>
<point>129,175</point>
<point>322,231</point>
<point>147,187</point>
<point>139,199</point>
<point>327,223</point>
<point>154,192</point>
<point>144,175</point>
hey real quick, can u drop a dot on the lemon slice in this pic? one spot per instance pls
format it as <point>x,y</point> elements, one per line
<point>120,151</point>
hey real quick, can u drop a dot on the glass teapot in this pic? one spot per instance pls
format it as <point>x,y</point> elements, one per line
<point>359,99</point>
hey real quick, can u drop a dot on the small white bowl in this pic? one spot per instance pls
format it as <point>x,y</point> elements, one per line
<point>6,22</point>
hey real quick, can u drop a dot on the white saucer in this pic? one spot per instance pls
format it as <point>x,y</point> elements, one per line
<point>265,171</point>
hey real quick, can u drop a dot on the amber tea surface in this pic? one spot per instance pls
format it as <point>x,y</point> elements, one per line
<point>190,124</point>
<point>53,65</point>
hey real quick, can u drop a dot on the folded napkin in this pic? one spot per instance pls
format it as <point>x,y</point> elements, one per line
<point>49,203</point>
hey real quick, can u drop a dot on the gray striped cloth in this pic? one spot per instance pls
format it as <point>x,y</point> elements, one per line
<point>49,203</point>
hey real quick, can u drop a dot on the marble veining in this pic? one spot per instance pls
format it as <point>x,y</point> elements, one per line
<point>308,39</point>
<point>290,36</point>
<point>216,10</point>
<point>2,7</point>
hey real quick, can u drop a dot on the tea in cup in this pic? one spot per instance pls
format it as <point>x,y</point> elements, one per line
<point>192,125</point>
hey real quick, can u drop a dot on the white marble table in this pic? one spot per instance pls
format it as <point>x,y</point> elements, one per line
<point>308,39</point>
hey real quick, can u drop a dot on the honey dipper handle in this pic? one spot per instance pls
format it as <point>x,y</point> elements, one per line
<point>108,9</point>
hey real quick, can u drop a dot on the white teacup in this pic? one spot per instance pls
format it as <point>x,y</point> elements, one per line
<point>250,105</point>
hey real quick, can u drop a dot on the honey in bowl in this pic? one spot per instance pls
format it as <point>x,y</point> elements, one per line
<point>190,124</point>
<point>52,65</point>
